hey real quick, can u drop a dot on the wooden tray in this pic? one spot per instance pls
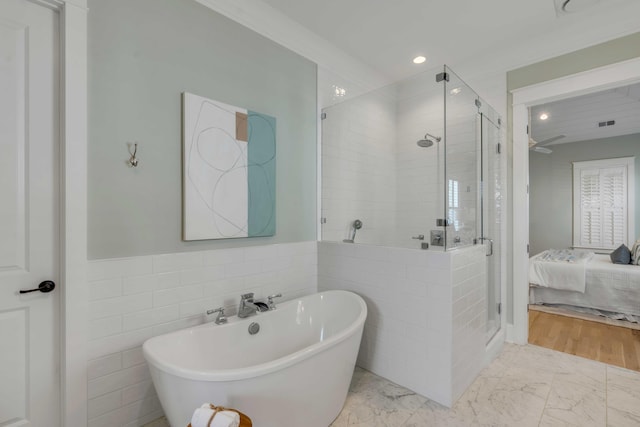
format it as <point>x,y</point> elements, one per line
<point>244,420</point>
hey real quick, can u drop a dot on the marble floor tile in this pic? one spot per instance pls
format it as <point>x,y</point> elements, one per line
<point>436,415</point>
<point>523,386</point>
<point>623,391</point>
<point>618,418</point>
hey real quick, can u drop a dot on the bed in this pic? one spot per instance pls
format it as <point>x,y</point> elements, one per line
<point>612,289</point>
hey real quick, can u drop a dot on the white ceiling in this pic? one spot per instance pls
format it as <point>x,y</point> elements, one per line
<point>578,118</point>
<point>386,35</point>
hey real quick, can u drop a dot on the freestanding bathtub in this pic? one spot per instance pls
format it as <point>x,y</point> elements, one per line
<point>294,372</point>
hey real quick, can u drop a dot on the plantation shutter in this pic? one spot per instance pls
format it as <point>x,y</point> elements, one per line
<point>601,208</point>
<point>591,214</point>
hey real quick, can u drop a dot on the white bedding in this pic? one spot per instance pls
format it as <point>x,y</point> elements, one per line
<point>610,287</point>
<point>560,269</point>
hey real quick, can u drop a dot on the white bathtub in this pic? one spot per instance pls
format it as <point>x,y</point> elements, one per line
<point>294,372</point>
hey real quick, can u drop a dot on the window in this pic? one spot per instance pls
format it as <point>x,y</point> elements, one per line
<point>603,203</point>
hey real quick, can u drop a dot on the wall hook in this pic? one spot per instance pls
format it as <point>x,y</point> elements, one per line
<point>133,160</point>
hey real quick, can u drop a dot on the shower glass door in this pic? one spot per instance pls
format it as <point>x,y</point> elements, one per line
<point>491,208</point>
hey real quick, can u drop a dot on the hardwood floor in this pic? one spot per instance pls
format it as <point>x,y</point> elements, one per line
<point>614,345</point>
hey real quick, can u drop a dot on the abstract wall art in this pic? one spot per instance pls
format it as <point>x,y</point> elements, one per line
<point>229,171</point>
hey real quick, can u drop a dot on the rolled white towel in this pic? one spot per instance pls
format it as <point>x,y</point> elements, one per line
<point>202,415</point>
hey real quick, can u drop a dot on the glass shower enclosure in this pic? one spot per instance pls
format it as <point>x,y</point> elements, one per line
<point>416,164</point>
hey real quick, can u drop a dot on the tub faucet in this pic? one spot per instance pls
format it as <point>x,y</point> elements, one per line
<point>247,307</point>
<point>271,303</point>
<point>221,319</point>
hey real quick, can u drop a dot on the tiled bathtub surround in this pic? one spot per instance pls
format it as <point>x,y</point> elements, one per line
<point>427,317</point>
<point>133,299</point>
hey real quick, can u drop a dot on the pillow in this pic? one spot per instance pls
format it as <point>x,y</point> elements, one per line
<point>622,255</point>
<point>635,253</point>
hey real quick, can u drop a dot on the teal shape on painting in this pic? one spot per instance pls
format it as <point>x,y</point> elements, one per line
<point>261,174</point>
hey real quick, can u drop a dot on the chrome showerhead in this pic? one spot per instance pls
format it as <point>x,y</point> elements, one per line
<point>428,140</point>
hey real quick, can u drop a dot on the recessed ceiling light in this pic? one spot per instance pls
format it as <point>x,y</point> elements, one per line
<point>544,116</point>
<point>455,91</point>
<point>419,59</point>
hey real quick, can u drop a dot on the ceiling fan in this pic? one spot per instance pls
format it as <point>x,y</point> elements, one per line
<point>539,147</point>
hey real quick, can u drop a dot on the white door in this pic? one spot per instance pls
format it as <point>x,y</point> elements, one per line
<point>29,133</point>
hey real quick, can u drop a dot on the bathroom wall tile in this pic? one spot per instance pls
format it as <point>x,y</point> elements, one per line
<point>132,357</point>
<point>276,264</point>
<point>110,419</point>
<point>105,289</point>
<point>139,284</point>
<point>177,295</point>
<point>223,256</point>
<point>336,249</point>
<point>133,413</point>
<point>104,327</point>
<point>197,307</point>
<point>371,252</point>
<point>116,306</point>
<point>119,267</point>
<point>105,403</point>
<point>201,275</point>
<point>117,380</point>
<point>139,408</point>
<point>163,293</point>
<point>225,286</point>
<point>167,280</point>
<point>261,253</point>
<point>176,325</point>
<point>146,318</point>
<point>242,269</point>
<point>111,344</point>
<point>300,248</point>
<point>137,392</point>
<point>152,419</point>
<point>104,365</point>
<point>180,261</point>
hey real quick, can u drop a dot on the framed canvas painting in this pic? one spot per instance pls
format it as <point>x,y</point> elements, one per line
<point>229,170</point>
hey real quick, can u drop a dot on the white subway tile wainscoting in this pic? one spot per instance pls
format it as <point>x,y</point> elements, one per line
<point>133,299</point>
<point>426,312</point>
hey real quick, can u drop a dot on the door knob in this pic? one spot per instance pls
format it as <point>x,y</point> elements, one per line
<point>46,286</point>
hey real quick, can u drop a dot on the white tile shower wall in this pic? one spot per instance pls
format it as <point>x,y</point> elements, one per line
<point>419,185</point>
<point>424,312</point>
<point>469,280</point>
<point>422,192</point>
<point>407,336</point>
<point>358,176</point>
<point>133,299</point>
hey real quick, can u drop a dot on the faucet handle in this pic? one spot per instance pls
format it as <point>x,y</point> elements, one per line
<point>248,295</point>
<point>270,303</point>
<point>221,317</point>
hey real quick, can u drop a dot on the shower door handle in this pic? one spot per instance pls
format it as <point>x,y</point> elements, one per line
<point>482,239</point>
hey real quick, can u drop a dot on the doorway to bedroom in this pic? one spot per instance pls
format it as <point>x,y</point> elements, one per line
<point>583,173</point>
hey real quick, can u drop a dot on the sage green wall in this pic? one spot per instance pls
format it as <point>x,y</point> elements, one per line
<point>610,52</point>
<point>551,187</point>
<point>142,55</point>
